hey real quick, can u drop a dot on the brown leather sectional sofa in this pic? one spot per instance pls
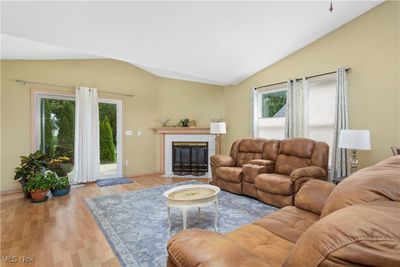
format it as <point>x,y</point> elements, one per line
<point>356,223</point>
<point>270,170</point>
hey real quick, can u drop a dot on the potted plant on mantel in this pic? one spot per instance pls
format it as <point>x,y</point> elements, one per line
<point>58,186</point>
<point>31,165</point>
<point>38,185</point>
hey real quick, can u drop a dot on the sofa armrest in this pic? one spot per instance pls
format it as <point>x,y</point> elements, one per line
<point>262,162</point>
<point>312,195</point>
<point>197,247</point>
<point>222,161</point>
<point>311,171</point>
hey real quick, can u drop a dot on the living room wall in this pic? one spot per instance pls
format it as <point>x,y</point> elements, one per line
<point>370,46</point>
<point>155,98</point>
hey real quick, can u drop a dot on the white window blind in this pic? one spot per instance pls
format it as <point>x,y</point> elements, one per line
<point>322,109</point>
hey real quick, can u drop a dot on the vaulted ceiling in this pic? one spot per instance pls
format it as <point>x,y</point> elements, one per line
<point>212,42</point>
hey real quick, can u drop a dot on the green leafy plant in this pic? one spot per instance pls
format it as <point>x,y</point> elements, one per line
<point>57,182</point>
<point>39,181</point>
<point>61,165</point>
<point>183,123</point>
<point>34,163</point>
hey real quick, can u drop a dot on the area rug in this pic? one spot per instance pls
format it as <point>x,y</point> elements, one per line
<point>108,182</point>
<point>136,223</point>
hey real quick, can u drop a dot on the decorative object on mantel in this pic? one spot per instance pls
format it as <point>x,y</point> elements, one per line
<point>164,122</point>
<point>218,128</point>
<point>192,123</point>
<point>183,123</point>
<point>355,139</point>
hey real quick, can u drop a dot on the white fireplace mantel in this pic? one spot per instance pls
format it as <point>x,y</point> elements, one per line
<point>173,134</point>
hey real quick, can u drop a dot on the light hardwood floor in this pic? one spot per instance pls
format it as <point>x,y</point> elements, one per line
<point>62,231</point>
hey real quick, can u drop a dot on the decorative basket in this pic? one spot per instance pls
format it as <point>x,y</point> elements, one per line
<point>60,192</point>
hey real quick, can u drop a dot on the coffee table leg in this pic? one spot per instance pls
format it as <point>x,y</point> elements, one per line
<point>184,218</point>
<point>169,219</point>
<point>216,215</point>
<point>198,212</point>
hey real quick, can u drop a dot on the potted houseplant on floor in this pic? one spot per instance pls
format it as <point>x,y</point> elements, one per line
<point>61,165</point>
<point>59,186</point>
<point>31,165</point>
<point>38,185</point>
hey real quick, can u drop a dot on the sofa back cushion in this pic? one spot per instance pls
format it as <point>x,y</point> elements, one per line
<point>297,153</point>
<point>271,149</point>
<point>248,149</point>
<point>294,153</point>
<point>378,182</point>
<point>367,234</point>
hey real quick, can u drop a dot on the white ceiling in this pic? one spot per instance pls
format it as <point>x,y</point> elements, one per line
<point>19,48</point>
<point>213,42</point>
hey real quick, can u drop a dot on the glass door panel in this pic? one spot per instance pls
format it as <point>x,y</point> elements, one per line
<point>57,132</point>
<point>110,145</point>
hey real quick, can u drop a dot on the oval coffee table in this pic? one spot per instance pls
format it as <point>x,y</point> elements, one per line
<point>185,197</point>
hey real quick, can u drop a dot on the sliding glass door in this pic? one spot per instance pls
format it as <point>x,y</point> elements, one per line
<point>110,122</point>
<point>55,133</point>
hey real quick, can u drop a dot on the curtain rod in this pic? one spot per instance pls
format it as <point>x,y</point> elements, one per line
<point>307,77</point>
<point>68,86</point>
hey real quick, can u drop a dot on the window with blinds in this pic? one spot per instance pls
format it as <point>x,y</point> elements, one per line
<point>270,110</point>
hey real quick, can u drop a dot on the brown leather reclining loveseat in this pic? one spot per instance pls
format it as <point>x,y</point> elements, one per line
<point>270,170</point>
<point>356,223</point>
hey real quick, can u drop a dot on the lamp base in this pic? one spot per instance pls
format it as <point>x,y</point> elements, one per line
<point>353,160</point>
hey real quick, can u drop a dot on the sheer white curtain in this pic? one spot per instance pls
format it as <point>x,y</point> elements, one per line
<point>296,122</point>
<point>87,147</point>
<point>340,163</point>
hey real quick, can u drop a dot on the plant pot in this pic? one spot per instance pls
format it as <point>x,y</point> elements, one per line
<point>26,193</point>
<point>39,195</point>
<point>60,192</point>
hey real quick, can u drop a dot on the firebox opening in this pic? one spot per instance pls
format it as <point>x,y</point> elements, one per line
<point>190,158</point>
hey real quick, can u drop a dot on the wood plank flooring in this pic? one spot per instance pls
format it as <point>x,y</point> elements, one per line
<point>61,231</point>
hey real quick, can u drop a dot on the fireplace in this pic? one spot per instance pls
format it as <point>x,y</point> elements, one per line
<point>190,158</point>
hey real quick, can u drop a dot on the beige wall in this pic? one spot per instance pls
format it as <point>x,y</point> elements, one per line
<point>370,46</point>
<point>155,98</point>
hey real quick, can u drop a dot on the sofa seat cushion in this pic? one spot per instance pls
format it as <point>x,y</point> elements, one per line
<point>274,183</point>
<point>269,247</point>
<point>230,174</point>
<point>288,223</point>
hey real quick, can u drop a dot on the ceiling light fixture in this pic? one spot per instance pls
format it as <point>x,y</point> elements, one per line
<point>331,7</point>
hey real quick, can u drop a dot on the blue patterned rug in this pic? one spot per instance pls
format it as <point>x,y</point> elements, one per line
<point>114,181</point>
<point>136,223</point>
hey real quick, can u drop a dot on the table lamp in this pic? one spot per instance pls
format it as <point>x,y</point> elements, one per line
<point>354,140</point>
<point>218,128</point>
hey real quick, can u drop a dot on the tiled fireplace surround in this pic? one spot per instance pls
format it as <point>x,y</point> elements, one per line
<point>169,135</point>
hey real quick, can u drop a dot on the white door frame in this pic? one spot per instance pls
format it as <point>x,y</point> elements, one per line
<point>38,95</point>
<point>118,102</point>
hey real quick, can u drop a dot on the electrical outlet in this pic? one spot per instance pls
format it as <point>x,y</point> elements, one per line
<point>139,133</point>
<point>126,163</point>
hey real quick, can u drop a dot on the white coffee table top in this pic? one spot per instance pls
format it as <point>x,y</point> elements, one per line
<point>191,193</point>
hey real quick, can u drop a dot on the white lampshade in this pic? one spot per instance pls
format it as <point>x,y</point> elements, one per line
<point>355,139</point>
<point>218,128</point>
